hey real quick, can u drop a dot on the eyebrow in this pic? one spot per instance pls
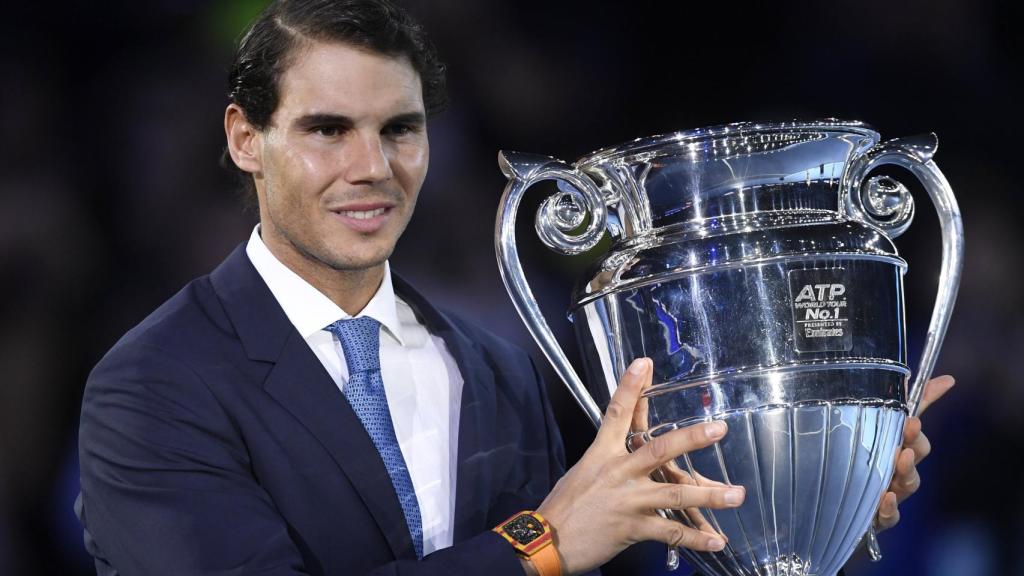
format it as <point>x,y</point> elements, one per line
<point>324,119</point>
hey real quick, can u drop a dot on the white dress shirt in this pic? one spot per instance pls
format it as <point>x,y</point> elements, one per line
<point>421,380</point>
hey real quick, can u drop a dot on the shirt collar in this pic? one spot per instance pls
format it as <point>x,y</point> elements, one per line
<point>308,309</point>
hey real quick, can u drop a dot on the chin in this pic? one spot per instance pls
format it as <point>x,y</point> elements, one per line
<point>350,262</point>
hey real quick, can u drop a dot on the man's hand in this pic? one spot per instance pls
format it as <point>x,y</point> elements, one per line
<point>607,501</point>
<point>906,480</point>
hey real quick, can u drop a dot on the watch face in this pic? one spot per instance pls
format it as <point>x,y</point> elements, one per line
<point>524,529</point>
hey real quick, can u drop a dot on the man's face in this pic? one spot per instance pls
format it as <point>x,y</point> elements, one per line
<point>343,159</point>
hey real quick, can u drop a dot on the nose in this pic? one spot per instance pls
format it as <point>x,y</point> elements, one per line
<point>367,160</point>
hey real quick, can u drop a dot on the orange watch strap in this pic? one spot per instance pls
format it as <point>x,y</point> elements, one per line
<point>546,561</point>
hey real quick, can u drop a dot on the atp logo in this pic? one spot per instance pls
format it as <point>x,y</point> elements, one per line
<point>821,301</point>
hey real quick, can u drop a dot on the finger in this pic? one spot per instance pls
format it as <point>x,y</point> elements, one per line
<point>700,522</point>
<point>906,481</point>
<point>640,421</point>
<point>670,445</point>
<point>933,390</point>
<point>888,512</point>
<point>681,497</point>
<point>705,481</point>
<point>679,476</point>
<point>911,430</point>
<point>675,533</point>
<point>916,440</point>
<point>619,413</point>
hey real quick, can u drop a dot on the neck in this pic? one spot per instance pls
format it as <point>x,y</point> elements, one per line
<point>350,289</point>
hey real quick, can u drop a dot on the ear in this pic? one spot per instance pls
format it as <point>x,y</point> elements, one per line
<point>244,142</point>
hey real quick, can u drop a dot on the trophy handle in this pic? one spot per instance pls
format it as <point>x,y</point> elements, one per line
<point>887,203</point>
<point>557,218</point>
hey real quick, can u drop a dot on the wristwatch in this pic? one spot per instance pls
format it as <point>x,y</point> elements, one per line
<point>530,534</point>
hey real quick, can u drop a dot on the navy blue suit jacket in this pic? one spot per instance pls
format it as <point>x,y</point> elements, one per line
<point>212,441</point>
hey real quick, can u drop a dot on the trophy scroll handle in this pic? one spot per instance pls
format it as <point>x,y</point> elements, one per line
<point>886,203</point>
<point>559,219</point>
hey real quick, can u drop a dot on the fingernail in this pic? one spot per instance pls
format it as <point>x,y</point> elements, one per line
<point>715,544</point>
<point>734,497</point>
<point>715,429</point>
<point>639,366</point>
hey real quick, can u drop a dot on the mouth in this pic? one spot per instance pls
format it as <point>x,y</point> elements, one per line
<point>363,218</point>
<point>362,214</point>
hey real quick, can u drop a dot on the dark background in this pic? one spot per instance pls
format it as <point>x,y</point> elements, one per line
<point>112,199</point>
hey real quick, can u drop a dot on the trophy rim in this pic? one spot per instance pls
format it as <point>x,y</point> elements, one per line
<point>694,136</point>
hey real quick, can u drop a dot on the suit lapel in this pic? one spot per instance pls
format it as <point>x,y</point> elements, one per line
<point>476,415</point>
<point>300,384</point>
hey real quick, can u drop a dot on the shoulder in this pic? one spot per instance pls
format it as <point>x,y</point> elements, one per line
<point>166,384</point>
<point>185,327</point>
<point>152,389</point>
<point>181,356</point>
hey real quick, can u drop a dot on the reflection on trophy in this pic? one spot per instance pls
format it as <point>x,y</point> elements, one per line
<point>754,264</point>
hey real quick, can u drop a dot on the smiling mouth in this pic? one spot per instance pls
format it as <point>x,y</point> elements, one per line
<point>362,214</point>
<point>364,218</point>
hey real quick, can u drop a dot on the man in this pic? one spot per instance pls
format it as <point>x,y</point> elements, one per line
<point>301,410</point>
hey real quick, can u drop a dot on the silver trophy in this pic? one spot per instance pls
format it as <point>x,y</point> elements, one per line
<point>754,264</point>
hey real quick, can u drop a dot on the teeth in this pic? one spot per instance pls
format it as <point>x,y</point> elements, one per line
<point>364,214</point>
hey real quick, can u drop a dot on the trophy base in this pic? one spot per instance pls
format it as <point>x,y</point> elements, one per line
<point>787,566</point>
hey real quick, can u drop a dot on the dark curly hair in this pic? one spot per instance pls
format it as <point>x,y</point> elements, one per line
<point>266,48</point>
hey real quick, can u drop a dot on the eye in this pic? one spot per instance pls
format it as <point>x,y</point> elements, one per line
<point>328,131</point>
<point>400,129</point>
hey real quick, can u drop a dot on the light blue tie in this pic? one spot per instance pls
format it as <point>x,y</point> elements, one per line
<point>360,339</point>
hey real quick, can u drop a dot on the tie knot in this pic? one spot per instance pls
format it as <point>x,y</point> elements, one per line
<point>360,340</point>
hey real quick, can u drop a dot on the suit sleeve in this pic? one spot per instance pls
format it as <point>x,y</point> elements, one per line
<point>167,487</point>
